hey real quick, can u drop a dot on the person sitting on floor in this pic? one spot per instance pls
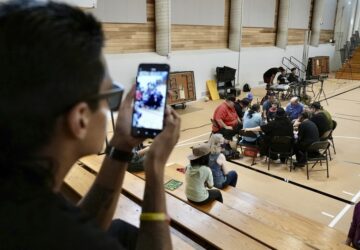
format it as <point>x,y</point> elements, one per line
<point>252,119</point>
<point>222,177</point>
<point>308,133</point>
<point>227,121</point>
<point>354,231</point>
<point>292,76</point>
<point>198,175</point>
<point>320,119</point>
<point>241,106</point>
<point>294,108</point>
<point>280,126</point>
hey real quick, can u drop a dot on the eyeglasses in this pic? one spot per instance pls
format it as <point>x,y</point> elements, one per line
<point>113,97</point>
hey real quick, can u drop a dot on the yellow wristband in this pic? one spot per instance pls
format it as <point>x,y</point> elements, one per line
<point>154,217</point>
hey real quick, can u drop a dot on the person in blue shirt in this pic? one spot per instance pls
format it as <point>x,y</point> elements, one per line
<point>294,108</point>
<point>252,119</point>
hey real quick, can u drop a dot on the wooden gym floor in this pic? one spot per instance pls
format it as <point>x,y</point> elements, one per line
<point>344,181</point>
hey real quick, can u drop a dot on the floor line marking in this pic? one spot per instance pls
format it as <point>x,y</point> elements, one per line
<point>343,211</point>
<point>169,164</point>
<point>192,138</point>
<point>327,214</point>
<point>188,143</point>
<point>345,192</point>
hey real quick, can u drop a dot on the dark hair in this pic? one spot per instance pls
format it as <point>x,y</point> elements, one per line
<point>304,115</point>
<point>50,59</point>
<point>254,108</point>
<point>245,102</point>
<point>202,161</point>
<point>316,105</point>
<point>293,69</point>
<point>231,98</point>
<point>281,69</point>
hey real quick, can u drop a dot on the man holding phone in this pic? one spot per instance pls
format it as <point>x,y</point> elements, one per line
<point>53,91</point>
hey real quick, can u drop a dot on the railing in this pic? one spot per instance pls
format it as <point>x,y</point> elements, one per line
<point>300,66</point>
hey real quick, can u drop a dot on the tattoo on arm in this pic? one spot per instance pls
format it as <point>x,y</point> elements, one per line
<point>97,199</point>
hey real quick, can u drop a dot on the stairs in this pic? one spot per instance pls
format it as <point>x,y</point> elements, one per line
<point>351,68</point>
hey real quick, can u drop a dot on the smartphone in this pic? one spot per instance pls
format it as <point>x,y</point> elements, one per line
<point>150,100</point>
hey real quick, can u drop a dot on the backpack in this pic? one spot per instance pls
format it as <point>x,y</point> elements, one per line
<point>246,88</point>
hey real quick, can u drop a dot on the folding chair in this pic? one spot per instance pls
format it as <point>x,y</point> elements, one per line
<point>252,148</point>
<point>281,145</point>
<point>331,136</point>
<point>315,153</point>
<point>326,137</point>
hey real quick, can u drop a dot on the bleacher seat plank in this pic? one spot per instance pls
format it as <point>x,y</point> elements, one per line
<point>80,180</point>
<point>304,229</point>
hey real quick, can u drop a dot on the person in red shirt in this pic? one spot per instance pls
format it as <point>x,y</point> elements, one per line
<point>226,120</point>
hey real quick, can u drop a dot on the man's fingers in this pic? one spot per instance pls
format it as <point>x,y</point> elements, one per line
<point>129,97</point>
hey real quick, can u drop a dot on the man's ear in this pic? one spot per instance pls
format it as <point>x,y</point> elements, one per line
<point>78,119</point>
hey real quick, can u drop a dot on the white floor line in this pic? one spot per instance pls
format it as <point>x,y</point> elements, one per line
<point>348,193</point>
<point>327,214</point>
<point>189,143</point>
<point>347,137</point>
<point>343,211</point>
<point>169,164</point>
<point>192,138</point>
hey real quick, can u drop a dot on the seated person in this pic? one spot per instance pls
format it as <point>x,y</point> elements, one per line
<point>226,118</point>
<point>241,106</point>
<point>267,104</point>
<point>252,119</point>
<point>250,97</point>
<point>294,108</point>
<point>280,126</point>
<point>293,77</point>
<point>222,177</point>
<point>320,119</point>
<point>198,175</point>
<point>318,108</point>
<point>281,79</point>
<point>308,133</point>
<point>54,67</point>
<point>354,231</point>
<point>272,111</point>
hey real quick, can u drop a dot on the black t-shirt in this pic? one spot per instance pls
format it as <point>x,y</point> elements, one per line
<point>308,133</point>
<point>36,218</point>
<point>270,72</point>
<point>239,110</point>
<point>321,123</point>
<point>278,127</point>
<point>293,78</point>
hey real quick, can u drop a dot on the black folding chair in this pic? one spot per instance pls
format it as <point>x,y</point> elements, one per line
<point>331,136</point>
<point>316,153</point>
<point>254,148</point>
<point>326,137</point>
<point>283,146</point>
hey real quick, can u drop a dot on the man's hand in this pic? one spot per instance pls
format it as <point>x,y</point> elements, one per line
<point>122,138</point>
<point>164,143</point>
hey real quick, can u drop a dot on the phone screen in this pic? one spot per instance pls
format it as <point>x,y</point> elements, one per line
<point>150,100</point>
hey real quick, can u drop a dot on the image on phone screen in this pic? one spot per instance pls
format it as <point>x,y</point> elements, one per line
<point>150,101</point>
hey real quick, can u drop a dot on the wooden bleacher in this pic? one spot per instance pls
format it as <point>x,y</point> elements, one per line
<point>271,225</point>
<point>196,223</point>
<point>350,69</point>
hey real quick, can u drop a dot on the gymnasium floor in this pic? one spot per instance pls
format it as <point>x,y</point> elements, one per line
<point>344,181</point>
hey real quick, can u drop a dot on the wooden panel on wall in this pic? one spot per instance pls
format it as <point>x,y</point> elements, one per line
<point>193,37</point>
<point>131,38</point>
<point>260,37</point>
<point>296,36</point>
<point>326,35</point>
